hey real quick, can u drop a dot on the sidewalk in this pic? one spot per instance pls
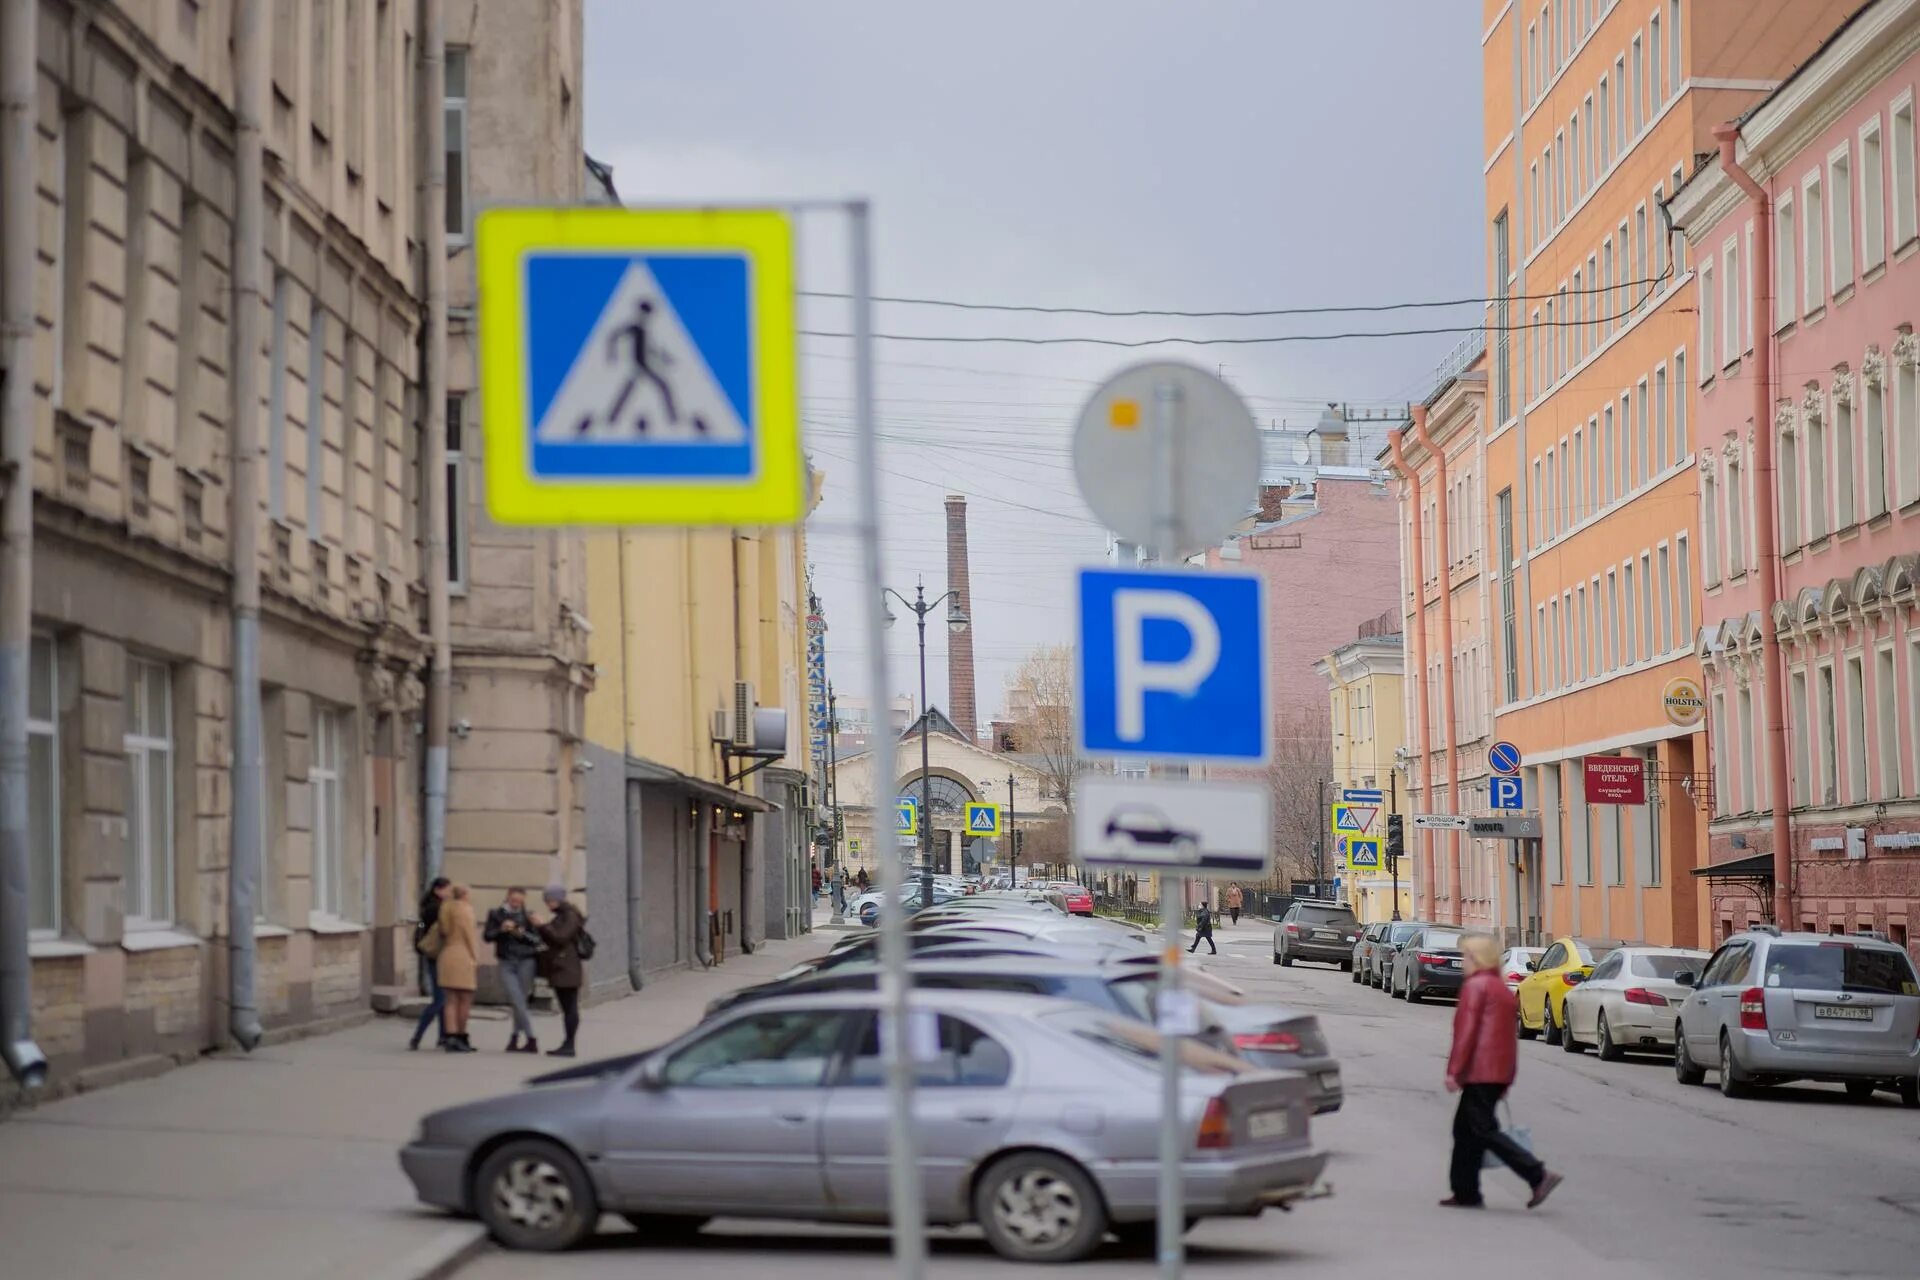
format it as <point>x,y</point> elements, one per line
<point>284,1161</point>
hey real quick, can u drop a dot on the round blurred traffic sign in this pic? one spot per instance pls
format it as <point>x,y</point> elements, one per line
<point>1215,455</point>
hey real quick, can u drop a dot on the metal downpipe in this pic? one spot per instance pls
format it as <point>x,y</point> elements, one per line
<point>433,389</point>
<point>18,48</point>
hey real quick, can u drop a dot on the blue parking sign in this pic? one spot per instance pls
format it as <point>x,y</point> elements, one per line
<point>1172,664</point>
<point>1506,793</point>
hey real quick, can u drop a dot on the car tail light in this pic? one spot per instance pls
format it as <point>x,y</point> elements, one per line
<point>1573,977</point>
<point>1214,1130</point>
<point>1753,1009</point>
<point>1515,979</point>
<point>1293,928</point>
<point>1430,959</point>
<point>1276,1041</point>
<point>1640,995</point>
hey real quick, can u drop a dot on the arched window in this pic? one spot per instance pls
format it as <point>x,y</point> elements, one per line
<point>945,795</point>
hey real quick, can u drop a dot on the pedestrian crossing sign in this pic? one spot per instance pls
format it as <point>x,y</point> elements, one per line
<point>907,818</point>
<point>637,366</point>
<point>1354,819</point>
<point>1363,852</point>
<point>983,819</point>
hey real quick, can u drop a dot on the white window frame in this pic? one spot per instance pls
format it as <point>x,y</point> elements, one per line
<point>1840,217</point>
<point>1682,446</point>
<point>1709,532</point>
<point>1873,416</point>
<point>1786,253</point>
<point>1816,461</point>
<point>1873,196</point>
<point>1682,556</point>
<point>1901,181</point>
<point>1846,462</point>
<point>1708,301</point>
<point>1730,303</point>
<point>1736,519</point>
<point>1859,780</point>
<point>1648,608</point>
<point>1610,633</point>
<point>48,728</point>
<point>326,781</point>
<point>1749,733</point>
<point>460,191</point>
<point>150,852</point>
<point>1722,758</point>
<point>1813,232</point>
<point>1886,716</point>
<point>1800,708</point>
<point>1826,729</point>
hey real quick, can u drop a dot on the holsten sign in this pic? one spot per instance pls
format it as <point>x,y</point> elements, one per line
<point>1615,779</point>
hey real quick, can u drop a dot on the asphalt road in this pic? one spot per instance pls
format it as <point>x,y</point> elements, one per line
<point>1663,1180</point>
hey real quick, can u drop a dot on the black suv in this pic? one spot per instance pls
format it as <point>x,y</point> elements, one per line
<point>1323,931</point>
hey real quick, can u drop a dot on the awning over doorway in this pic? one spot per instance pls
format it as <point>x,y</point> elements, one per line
<point>1754,867</point>
<point>712,792</point>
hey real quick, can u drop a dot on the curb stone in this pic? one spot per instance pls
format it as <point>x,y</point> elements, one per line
<point>436,1259</point>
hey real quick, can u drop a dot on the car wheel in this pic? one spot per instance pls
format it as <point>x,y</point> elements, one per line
<point>1286,960</point>
<point>1520,1018</point>
<point>1413,993</point>
<point>1860,1090</point>
<point>1733,1084</point>
<point>1684,1068</point>
<point>1355,972</point>
<point>1347,965</point>
<point>1277,959</point>
<point>1609,1051</point>
<point>1038,1207</point>
<point>532,1194</point>
<point>666,1226</point>
<point>1552,1031</point>
<point>1910,1093</point>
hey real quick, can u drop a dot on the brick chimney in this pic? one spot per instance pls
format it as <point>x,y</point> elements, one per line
<point>960,705</point>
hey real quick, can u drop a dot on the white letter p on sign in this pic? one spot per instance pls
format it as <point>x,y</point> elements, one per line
<point>1134,676</point>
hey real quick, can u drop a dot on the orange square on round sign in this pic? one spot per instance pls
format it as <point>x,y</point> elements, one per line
<point>1124,414</point>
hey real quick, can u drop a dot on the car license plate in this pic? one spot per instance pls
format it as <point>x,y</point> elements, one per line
<point>1269,1124</point>
<point>1844,1012</point>
<point>1329,1079</point>
<point>1326,935</point>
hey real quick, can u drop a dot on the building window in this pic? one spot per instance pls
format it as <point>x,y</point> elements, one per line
<point>324,777</point>
<point>1709,533</point>
<point>457,494</point>
<point>1840,221</point>
<point>1730,302</point>
<point>1662,447</point>
<point>1904,223</point>
<point>1802,769</point>
<point>277,398</point>
<point>1510,661</point>
<point>1606,128</point>
<point>1656,91</point>
<point>1639,85</point>
<point>1876,416</point>
<point>149,747</point>
<point>1579,628</point>
<point>1789,490</point>
<point>1749,736</point>
<point>1685,560</point>
<point>1873,200</point>
<point>1666,600</point>
<point>43,786</point>
<point>1631,652</point>
<point>1647,649</point>
<point>1856,729</point>
<point>1886,710</point>
<point>1906,413</point>
<point>1814,217</point>
<point>1643,453</point>
<point>1610,633</point>
<point>1736,518</point>
<point>458,203</point>
<point>1502,348</point>
<point>1844,512</point>
<point>1817,483</point>
<point>1681,445</point>
<point>1721,745</point>
<point>1829,744</point>
<point>1786,250</point>
<point>317,421</point>
<point>1673,47</point>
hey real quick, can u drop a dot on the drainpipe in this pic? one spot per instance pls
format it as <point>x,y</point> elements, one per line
<point>252,49</point>
<point>1765,540</point>
<point>636,936</point>
<point>433,379</point>
<point>19,44</point>
<point>1442,515</point>
<point>1412,479</point>
<point>703,901</point>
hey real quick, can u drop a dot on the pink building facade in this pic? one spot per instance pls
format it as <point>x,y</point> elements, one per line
<point>1835,149</point>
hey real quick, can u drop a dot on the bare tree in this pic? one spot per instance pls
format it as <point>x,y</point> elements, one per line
<point>1302,764</point>
<point>1040,705</point>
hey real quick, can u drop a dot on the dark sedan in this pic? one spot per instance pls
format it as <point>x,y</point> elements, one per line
<point>1429,964</point>
<point>1380,963</point>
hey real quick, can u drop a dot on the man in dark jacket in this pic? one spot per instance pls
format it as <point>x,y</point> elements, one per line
<point>1480,1069</point>
<point>516,945</point>
<point>1203,928</point>
<point>563,967</point>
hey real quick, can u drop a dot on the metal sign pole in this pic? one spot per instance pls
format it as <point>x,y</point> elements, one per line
<point>1173,889</point>
<point>904,1201</point>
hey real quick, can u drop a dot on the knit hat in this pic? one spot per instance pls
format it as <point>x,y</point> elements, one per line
<point>555,893</point>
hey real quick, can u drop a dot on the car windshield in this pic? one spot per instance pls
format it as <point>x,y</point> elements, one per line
<point>1665,966</point>
<point>1842,966</point>
<point>1327,915</point>
<point>1401,932</point>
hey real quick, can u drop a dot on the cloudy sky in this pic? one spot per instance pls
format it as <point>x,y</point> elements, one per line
<point>1113,154</point>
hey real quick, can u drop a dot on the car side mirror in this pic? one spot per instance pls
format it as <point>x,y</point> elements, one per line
<point>653,1075</point>
<point>1686,978</point>
<point>1532,967</point>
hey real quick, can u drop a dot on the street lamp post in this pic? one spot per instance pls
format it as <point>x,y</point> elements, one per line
<point>957,622</point>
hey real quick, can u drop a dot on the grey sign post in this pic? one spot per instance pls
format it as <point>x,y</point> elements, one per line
<point>1167,456</point>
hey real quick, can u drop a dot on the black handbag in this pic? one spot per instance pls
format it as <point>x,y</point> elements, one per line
<point>583,943</point>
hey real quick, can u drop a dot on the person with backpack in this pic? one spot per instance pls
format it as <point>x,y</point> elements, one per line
<point>516,946</point>
<point>427,941</point>
<point>569,947</point>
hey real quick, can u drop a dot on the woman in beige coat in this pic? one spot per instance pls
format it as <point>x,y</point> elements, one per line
<point>459,965</point>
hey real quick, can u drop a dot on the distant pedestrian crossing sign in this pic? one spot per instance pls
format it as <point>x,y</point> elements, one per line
<point>906,819</point>
<point>983,819</point>
<point>638,367</point>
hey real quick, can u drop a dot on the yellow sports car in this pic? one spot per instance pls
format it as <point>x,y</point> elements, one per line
<point>1543,992</point>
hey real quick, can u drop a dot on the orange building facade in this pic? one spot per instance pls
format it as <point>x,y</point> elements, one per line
<point>1595,114</point>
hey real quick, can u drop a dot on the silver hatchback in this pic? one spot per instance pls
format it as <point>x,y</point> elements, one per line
<point>1035,1118</point>
<point>1771,1007</point>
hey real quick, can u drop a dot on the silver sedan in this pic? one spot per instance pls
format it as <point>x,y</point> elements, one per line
<point>1629,1002</point>
<point>1035,1118</point>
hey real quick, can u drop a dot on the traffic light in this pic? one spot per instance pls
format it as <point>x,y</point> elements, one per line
<point>1396,835</point>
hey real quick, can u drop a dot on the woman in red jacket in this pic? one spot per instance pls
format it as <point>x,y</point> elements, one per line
<point>1480,1068</point>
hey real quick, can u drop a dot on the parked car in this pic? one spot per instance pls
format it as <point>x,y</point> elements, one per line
<point>1771,1007</point>
<point>1542,993</point>
<point>1363,949</point>
<point>1323,931</point>
<point>776,1110</point>
<point>1517,962</point>
<point>1079,897</point>
<point>1428,964</point>
<point>1629,1002</point>
<point>1380,962</point>
<point>870,908</point>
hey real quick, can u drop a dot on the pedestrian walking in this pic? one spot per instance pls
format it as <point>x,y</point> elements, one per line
<point>426,942</point>
<point>563,963</point>
<point>517,947</point>
<point>1481,1069</point>
<point>459,963</point>
<point>865,883</point>
<point>1203,928</point>
<point>1234,899</point>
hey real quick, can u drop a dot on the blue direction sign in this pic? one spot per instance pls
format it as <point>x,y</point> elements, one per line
<point>1362,795</point>
<point>1506,793</point>
<point>638,366</point>
<point>1503,757</point>
<point>1172,664</point>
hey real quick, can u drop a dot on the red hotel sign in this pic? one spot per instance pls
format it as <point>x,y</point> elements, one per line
<point>1616,779</point>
